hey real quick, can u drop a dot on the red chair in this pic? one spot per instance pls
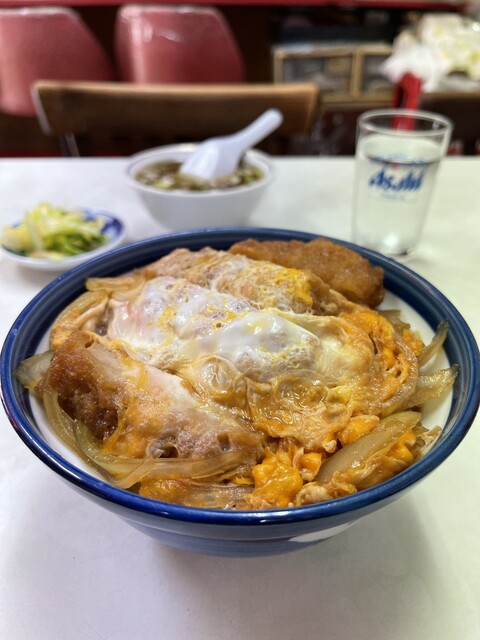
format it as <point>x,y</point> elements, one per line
<point>184,45</point>
<point>45,43</point>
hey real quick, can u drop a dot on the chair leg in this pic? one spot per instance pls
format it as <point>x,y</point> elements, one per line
<point>69,146</point>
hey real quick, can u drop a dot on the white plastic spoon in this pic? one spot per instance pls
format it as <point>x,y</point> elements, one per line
<point>220,156</point>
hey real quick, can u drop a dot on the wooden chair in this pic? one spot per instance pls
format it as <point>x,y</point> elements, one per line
<point>463,109</point>
<point>153,114</point>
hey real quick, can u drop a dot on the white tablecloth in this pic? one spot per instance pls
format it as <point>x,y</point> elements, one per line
<point>71,570</point>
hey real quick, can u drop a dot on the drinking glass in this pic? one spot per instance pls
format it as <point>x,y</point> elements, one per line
<point>398,154</point>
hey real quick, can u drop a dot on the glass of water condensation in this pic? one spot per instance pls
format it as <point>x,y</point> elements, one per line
<point>397,159</point>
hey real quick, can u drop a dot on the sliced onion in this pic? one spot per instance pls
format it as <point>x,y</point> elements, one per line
<point>83,313</point>
<point>431,349</point>
<point>31,371</point>
<point>121,287</point>
<point>210,495</point>
<point>356,454</point>
<point>432,385</point>
<point>220,496</point>
<point>398,399</point>
<point>179,468</point>
<point>393,317</point>
<point>60,421</point>
<point>127,471</point>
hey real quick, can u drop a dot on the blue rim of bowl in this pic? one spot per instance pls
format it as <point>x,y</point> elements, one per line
<point>425,298</point>
<point>113,228</point>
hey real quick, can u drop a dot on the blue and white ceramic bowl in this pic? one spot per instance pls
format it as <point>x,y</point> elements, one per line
<point>113,228</point>
<point>243,533</point>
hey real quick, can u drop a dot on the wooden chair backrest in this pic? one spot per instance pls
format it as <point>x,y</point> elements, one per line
<point>169,113</point>
<point>463,109</point>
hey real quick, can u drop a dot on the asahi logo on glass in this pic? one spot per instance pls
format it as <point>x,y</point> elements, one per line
<point>392,181</point>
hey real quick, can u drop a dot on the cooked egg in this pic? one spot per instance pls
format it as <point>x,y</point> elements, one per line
<point>175,320</point>
<point>294,374</point>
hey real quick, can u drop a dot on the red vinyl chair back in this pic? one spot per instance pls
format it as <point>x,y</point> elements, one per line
<point>176,45</point>
<point>45,43</point>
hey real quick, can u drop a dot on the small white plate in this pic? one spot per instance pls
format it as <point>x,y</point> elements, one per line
<point>113,228</point>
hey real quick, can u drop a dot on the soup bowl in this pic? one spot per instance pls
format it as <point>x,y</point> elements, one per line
<point>184,209</point>
<point>239,533</point>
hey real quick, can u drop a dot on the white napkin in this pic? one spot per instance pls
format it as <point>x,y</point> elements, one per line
<point>420,59</point>
<point>442,44</point>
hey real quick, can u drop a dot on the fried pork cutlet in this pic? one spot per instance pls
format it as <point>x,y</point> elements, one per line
<point>343,269</point>
<point>263,282</point>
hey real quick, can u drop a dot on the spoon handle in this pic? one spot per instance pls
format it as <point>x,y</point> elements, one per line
<point>258,129</point>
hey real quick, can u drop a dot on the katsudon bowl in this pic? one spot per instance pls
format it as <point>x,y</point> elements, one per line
<point>226,532</point>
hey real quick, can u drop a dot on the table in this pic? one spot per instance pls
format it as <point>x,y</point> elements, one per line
<point>69,569</point>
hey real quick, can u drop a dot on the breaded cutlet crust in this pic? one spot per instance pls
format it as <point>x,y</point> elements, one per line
<point>343,269</point>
